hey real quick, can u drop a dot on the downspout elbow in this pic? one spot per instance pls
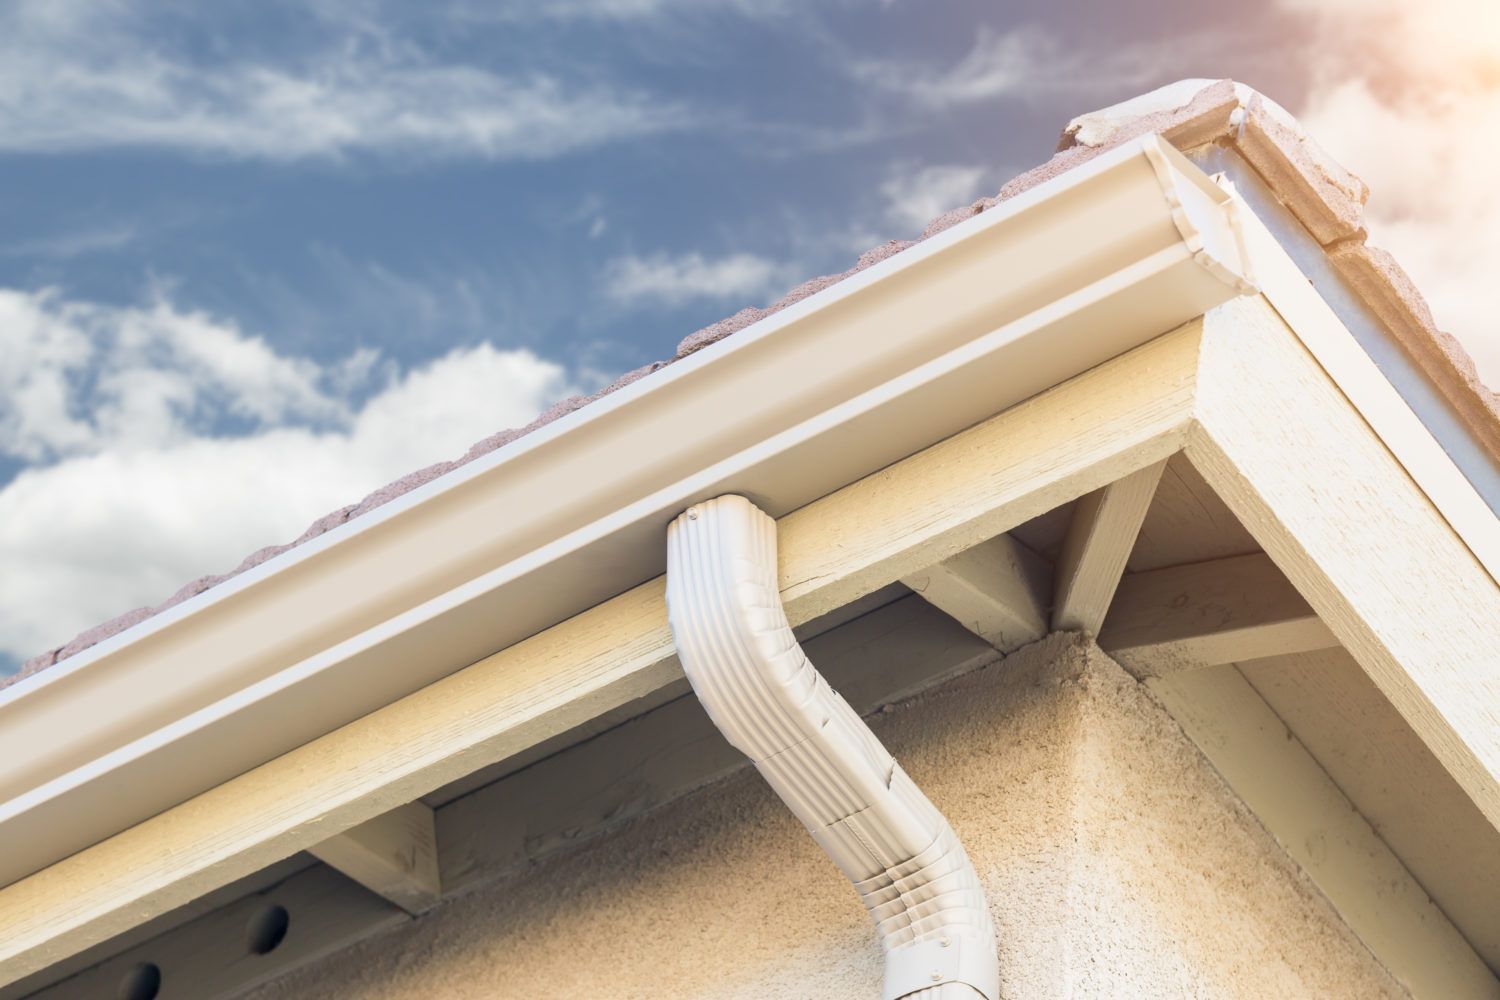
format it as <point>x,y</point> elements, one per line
<point>759,688</point>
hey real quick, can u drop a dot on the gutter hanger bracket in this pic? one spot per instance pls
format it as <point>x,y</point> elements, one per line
<point>759,688</point>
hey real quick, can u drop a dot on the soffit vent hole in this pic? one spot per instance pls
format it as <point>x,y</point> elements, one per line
<point>141,983</point>
<point>267,929</point>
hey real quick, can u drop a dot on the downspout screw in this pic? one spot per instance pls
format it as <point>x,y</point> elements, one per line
<point>945,942</point>
<point>692,513</point>
<point>937,977</point>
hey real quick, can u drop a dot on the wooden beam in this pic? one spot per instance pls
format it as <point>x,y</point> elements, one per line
<point>1100,536</point>
<point>394,854</point>
<point>605,721</point>
<point>675,749</point>
<point>1204,614</point>
<point>1394,781</point>
<point>997,590</point>
<point>1323,496</point>
<point>233,949</point>
<point>255,883</point>
<point>1362,382</point>
<point>669,750</point>
<point>1299,804</point>
<point>1102,425</point>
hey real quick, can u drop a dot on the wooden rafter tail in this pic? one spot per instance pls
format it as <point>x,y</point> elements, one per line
<point>1100,536</point>
<point>1204,614</point>
<point>395,854</point>
<point>997,590</point>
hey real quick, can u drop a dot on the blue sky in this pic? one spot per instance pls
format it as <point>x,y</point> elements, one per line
<point>257,259</point>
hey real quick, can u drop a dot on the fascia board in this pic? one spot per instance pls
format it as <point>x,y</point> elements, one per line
<point>874,368</point>
<point>1077,437</point>
<point>1363,328</point>
<point>1439,454</point>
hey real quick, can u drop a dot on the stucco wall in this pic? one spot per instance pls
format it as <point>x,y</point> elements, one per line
<point>1116,862</point>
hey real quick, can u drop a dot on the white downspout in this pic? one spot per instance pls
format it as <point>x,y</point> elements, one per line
<point>751,675</point>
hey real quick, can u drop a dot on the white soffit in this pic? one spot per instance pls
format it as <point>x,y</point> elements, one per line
<point>883,364</point>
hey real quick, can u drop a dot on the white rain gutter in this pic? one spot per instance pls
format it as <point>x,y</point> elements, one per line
<point>874,368</point>
<point>768,700</point>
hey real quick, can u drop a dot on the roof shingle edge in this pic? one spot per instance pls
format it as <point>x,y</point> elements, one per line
<point>1324,197</point>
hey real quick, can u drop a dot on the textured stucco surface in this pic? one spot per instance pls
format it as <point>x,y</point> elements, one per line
<point>1116,863</point>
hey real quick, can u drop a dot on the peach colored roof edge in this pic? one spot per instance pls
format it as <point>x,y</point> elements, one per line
<point>1324,197</point>
<point>1327,199</point>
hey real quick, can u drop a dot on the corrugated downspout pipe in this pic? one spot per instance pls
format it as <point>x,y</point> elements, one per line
<point>760,690</point>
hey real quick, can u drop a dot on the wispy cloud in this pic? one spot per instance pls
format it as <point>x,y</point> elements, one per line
<point>1423,79</point>
<point>1000,63</point>
<point>84,76</point>
<point>74,243</point>
<point>675,280</point>
<point>139,488</point>
<point>619,10</point>
<point>914,196</point>
<point>1031,62</point>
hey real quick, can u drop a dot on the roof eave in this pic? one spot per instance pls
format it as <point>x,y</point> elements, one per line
<point>872,369</point>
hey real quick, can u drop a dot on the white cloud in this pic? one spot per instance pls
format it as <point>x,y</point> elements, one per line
<point>1408,97</point>
<point>79,76</point>
<point>618,10</point>
<point>916,196</point>
<point>1000,63</point>
<point>130,513</point>
<point>674,280</point>
<point>1030,62</point>
<point>77,377</point>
